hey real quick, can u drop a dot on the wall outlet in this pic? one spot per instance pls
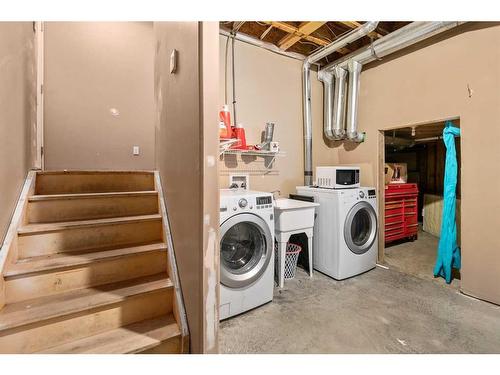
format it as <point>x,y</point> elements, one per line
<point>135,150</point>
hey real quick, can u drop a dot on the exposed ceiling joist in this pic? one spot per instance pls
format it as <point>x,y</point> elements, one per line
<point>355,24</point>
<point>263,35</point>
<point>299,37</point>
<point>303,30</point>
<point>292,30</point>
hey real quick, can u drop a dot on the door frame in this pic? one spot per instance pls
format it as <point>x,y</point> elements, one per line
<point>381,178</point>
<point>40,63</point>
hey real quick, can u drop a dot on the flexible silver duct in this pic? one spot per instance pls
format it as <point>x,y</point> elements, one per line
<point>336,130</point>
<point>328,96</point>
<point>354,69</point>
<point>402,38</point>
<point>350,37</point>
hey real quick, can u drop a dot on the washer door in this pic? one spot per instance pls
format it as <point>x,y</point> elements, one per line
<point>245,250</point>
<point>360,228</point>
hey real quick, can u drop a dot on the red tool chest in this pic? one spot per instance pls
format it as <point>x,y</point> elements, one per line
<point>401,208</point>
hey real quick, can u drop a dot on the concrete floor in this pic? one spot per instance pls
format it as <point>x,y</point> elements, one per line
<point>381,311</point>
<point>417,258</point>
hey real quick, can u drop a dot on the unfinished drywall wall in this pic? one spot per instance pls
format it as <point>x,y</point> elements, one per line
<point>17,113</point>
<point>456,74</point>
<point>99,99</point>
<point>186,155</point>
<point>269,88</point>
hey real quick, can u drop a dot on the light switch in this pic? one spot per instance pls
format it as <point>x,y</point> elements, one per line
<point>135,150</point>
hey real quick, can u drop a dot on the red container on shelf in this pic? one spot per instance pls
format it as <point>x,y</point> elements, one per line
<point>239,133</point>
<point>225,117</point>
<point>401,212</point>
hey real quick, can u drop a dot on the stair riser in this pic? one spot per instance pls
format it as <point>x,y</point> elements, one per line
<point>172,346</point>
<point>43,335</point>
<point>92,275</point>
<point>77,183</point>
<point>67,240</point>
<point>91,208</point>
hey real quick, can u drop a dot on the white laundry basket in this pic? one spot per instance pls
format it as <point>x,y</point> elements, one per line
<point>291,258</point>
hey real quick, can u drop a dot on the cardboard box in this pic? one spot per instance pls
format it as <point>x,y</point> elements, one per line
<point>396,173</point>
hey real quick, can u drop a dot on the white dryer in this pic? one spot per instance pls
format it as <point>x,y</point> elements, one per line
<point>345,230</point>
<point>246,250</point>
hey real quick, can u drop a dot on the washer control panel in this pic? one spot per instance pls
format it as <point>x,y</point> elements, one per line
<point>264,202</point>
<point>247,203</point>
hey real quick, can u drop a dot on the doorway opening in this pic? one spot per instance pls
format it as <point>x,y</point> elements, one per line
<point>412,177</point>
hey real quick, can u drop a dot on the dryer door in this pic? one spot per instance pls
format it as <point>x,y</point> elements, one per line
<point>360,227</point>
<point>245,250</point>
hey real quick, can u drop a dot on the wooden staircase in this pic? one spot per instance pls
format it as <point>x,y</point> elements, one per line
<point>87,267</point>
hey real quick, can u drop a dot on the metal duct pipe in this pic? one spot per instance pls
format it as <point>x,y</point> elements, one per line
<point>328,93</point>
<point>402,38</point>
<point>395,41</point>
<point>306,84</point>
<point>354,68</point>
<point>338,109</point>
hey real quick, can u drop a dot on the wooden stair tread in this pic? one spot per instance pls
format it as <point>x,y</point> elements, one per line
<point>54,227</point>
<point>67,303</point>
<point>49,197</point>
<point>62,261</point>
<point>133,338</point>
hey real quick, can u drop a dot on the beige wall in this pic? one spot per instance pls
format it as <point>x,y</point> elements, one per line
<point>269,88</point>
<point>185,140</point>
<point>431,83</point>
<point>17,113</point>
<point>90,69</point>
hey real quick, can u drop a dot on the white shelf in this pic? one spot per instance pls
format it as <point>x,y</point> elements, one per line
<point>254,153</point>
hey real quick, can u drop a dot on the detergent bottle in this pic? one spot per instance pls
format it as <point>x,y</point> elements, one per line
<point>225,116</point>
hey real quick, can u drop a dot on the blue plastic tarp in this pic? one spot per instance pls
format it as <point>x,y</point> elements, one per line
<point>448,255</point>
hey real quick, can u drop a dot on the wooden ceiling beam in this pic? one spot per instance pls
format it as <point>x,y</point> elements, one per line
<point>302,31</point>
<point>292,30</point>
<point>355,24</point>
<point>263,35</point>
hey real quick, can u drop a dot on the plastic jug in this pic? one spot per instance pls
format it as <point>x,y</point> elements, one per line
<point>225,116</point>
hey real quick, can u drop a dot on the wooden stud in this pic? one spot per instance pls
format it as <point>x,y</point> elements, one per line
<point>292,29</point>
<point>381,196</point>
<point>302,31</point>
<point>263,35</point>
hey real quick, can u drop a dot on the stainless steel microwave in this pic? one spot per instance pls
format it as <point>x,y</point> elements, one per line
<point>339,177</point>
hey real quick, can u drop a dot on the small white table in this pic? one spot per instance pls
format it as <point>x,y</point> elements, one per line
<point>292,217</point>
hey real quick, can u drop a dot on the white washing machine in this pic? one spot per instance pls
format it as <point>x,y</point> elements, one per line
<point>345,230</point>
<point>246,250</point>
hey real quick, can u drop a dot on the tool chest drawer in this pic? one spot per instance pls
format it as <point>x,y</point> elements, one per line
<point>401,210</point>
